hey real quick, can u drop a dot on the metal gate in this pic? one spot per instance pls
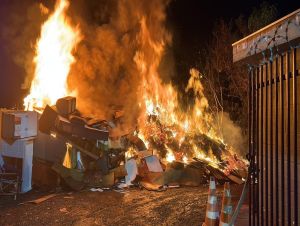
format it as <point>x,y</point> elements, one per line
<point>274,137</point>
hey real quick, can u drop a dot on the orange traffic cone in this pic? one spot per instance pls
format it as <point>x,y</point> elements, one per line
<point>212,213</point>
<point>226,212</point>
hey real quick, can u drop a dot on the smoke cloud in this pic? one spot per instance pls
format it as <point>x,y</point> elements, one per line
<point>232,134</point>
<point>20,27</point>
<point>123,55</point>
<point>106,74</point>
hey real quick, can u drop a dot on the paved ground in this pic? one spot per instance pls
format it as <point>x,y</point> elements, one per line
<point>177,206</point>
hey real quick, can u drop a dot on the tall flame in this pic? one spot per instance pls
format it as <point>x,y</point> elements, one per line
<point>161,118</point>
<point>161,102</point>
<point>53,59</point>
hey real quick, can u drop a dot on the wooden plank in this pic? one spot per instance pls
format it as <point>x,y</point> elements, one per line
<point>40,200</point>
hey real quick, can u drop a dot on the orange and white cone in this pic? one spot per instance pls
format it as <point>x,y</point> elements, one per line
<point>212,213</point>
<point>227,208</point>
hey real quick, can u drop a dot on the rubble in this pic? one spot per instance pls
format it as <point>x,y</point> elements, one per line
<point>98,155</point>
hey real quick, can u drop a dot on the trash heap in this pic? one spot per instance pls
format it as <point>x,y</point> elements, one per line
<point>95,158</point>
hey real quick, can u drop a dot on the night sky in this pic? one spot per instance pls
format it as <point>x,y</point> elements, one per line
<point>191,22</point>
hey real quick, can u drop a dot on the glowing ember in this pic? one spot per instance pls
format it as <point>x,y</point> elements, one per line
<point>53,59</point>
<point>185,159</point>
<point>170,157</point>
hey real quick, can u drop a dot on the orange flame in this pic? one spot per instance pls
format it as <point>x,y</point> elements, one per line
<point>161,100</point>
<point>53,59</point>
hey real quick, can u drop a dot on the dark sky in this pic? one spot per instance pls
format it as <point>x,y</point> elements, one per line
<point>190,20</point>
<point>195,17</point>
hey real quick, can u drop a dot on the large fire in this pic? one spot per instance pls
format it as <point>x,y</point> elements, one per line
<point>163,123</point>
<point>166,124</point>
<point>165,128</point>
<point>53,59</point>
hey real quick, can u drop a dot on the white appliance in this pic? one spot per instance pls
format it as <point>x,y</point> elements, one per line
<point>17,131</point>
<point>22,149</point>
<point>18,124</point>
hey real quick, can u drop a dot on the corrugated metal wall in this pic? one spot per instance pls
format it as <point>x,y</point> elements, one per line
<point>274,130</point>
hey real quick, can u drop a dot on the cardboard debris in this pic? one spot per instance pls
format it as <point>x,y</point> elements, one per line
<point>156,178</point>
<point>153,164</point>
<point>151,187</point>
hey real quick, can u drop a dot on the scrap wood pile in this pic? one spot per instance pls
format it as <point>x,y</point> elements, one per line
<point>95,158</point>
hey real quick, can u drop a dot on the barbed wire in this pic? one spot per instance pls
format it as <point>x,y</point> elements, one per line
<point>273,41</point>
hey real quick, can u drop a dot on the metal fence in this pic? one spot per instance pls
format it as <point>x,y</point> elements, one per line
<point>274,137</point>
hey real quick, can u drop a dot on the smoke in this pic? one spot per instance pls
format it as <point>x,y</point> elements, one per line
<point>20,27</point>
<point>119,36</point>
<point>123,57</point>
<point>106,75</point>
<point>232,134</point>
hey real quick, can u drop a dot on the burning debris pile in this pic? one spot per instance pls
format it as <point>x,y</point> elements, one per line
<point>95,159</point>
<point>129,124</point>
